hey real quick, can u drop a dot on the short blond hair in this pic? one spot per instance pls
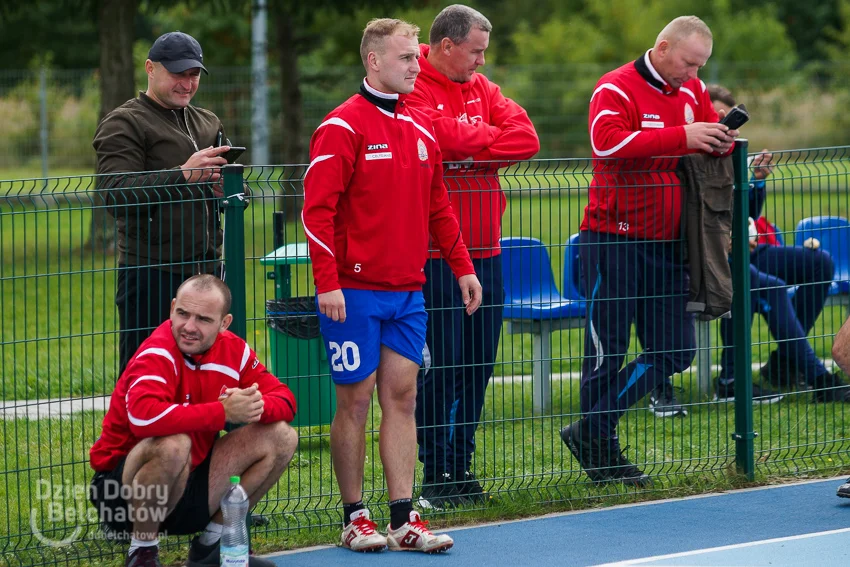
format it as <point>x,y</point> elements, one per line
<point>683,27</point>
<point>381,28</point>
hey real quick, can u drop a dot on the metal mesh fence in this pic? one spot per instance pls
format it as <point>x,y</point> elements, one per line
<point>51,115</point>
<point>60,347</point>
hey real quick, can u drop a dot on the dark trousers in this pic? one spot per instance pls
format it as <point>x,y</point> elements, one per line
<point>143,296</point>
<point>630,281</point>
<point>463,350</point>
<point>772,269</point>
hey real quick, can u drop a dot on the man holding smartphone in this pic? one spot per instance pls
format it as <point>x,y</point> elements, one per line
<point>168,225</point>
<point>631,264</point>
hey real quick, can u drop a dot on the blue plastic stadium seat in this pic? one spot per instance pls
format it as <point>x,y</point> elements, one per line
<point>834,236</point>
<point>572,282</point>
<point>530,290</point>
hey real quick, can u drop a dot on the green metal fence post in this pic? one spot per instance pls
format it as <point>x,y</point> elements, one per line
<point>744,434</point>
<point>234,245</point>
<point>234,258</point>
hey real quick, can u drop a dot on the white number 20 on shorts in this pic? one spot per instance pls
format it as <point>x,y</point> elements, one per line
<point>346,356</point>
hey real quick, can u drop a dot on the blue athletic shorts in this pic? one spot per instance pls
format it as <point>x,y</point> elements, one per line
<point>396,319</point>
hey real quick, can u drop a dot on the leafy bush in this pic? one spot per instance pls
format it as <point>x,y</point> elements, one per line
<point>72,110</point>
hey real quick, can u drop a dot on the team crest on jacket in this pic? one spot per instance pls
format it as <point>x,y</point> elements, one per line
<point>423,151</point>
<point>689,114</point>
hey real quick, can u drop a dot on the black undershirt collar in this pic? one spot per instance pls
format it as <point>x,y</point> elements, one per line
<point>383,101</point>
<point>650,75</point>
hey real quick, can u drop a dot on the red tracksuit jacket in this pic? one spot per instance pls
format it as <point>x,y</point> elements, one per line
<point>635,114</point>
<point>163,392</point>
<point>373,192</point>
<point>474,120</point>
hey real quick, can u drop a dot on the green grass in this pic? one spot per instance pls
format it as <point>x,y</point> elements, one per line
<point>58,330</point>
<point>58,320</point>
<point>520,456</point>
<point>35,173</point>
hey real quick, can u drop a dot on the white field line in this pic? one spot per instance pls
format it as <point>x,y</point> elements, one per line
<point>644,560</point>
<point>53,408</point>
<point>66,407</point>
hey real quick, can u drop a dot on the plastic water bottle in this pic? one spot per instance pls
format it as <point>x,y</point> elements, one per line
<point>234,535</point>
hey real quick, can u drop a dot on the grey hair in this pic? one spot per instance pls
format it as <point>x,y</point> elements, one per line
<point>682,28</point>
<point>455,22</point>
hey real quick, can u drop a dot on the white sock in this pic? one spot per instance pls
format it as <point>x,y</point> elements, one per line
<point>211,534</point>
<point>137,543</point>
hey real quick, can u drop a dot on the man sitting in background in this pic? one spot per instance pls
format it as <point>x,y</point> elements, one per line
<point>773,268</point>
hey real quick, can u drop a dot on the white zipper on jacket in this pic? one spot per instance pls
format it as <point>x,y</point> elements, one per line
<point>207,215</point>
<point>188,131</point>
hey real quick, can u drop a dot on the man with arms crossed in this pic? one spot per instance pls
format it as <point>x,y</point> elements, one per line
<point>474,122</point>
<point>630,259</point>
<point>160,439</point>
<point>372,194</point>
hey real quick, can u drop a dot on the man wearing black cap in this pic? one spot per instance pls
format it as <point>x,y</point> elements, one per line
<point>168,222</point>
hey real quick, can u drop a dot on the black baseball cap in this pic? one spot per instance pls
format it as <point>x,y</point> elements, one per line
<point>177,52</point>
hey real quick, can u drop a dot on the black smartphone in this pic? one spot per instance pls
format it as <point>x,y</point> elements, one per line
<point>233,153</point>
<point>736,117</point>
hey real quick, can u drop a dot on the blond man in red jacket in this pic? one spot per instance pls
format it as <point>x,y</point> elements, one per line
<point>474,123</point>
<point>373,195</point>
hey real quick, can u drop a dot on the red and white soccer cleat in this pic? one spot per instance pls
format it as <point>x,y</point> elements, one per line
<point>414,535</point>
<point>362,534</point>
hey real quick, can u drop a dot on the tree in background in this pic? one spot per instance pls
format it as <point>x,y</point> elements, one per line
<point>608,33</point>
<point>548,55</point>
<point>804,22</point>
<point>116,33</point>
<point>297,36</point>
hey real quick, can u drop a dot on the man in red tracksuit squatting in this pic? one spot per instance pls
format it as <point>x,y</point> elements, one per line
<point>159,464</point>
<point>630,261</point>
<point>372,194</point>
<point>474,122</point>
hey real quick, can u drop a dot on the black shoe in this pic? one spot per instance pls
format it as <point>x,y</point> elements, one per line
<point>586,449</point>
<point>780,373</point>
<point>208,555</point>
<point>725,392</point>
<point>844,490</point>
<point>663,402</point>
<point>470,489</point>
<point>623,470</point>
<point>830,388</point>
<point>439,494</point>
<point>144,557</point>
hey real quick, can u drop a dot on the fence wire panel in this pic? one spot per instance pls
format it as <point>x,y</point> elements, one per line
<point>59,341</point>
<point>806,201</point>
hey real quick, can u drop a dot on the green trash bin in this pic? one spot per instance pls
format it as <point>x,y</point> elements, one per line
<point>298,356</point>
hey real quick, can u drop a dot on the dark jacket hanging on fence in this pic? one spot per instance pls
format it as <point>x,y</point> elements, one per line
<point>707,183</point>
